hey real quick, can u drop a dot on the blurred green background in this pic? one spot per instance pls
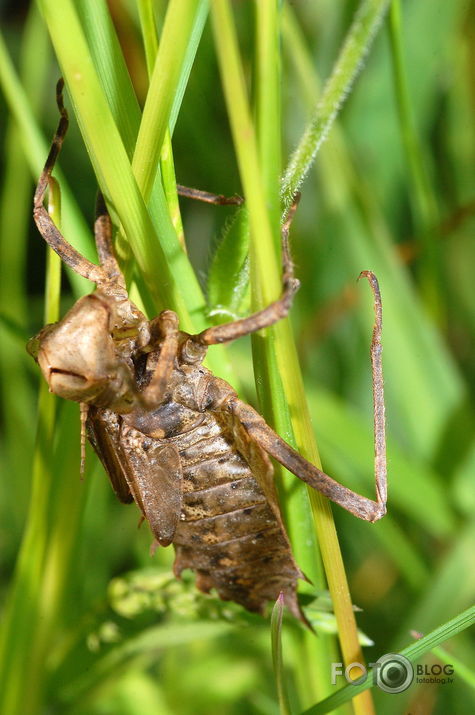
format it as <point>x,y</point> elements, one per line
<point>97,625</point>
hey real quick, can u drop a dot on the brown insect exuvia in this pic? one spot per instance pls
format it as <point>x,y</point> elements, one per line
<point>176,439</point>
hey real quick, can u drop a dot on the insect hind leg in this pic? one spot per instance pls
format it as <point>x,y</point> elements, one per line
<point>260,432</point>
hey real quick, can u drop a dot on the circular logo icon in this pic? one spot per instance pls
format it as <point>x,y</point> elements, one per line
<point>394,673</point>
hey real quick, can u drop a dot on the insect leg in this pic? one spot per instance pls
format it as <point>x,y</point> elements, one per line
<point>261,433</point>
<point>208,198</point>
<point>164,328</point>
<point>103,238</point>
<point>46,227</point>
<point>274,312</point>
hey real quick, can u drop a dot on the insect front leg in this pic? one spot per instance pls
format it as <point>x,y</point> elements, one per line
<point>164,330</point>
<point>46,227</point>
<point>209,198</point>
<point>103,239</point>
<point>274,312</point>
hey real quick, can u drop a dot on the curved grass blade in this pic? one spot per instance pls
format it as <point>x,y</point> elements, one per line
<point>276,640</point>
<point>350,61</point>
<point>413,652</point>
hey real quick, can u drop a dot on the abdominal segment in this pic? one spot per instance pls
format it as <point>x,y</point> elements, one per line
<point>208,490</point>
<point>228,531</point>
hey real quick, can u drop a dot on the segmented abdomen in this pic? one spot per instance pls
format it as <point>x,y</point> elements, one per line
<point>228,532</point>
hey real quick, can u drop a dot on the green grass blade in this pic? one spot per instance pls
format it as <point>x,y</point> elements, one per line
<point>196,32</point>
<point>276,640</point>
<point>16,396</point>
<point>167,168</point>
<point>247,152</point>
<point>114,76</point>
<point>168,69</point>
<point>423,202</point>
<point>20,642</point>
<point>349,63</point>
<point>413,652</point>
<point>228,274</point>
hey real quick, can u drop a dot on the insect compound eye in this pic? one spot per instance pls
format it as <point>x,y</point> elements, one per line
<point>192,352</point>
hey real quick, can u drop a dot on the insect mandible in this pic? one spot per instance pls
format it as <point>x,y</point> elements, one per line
<point>176,439</point>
